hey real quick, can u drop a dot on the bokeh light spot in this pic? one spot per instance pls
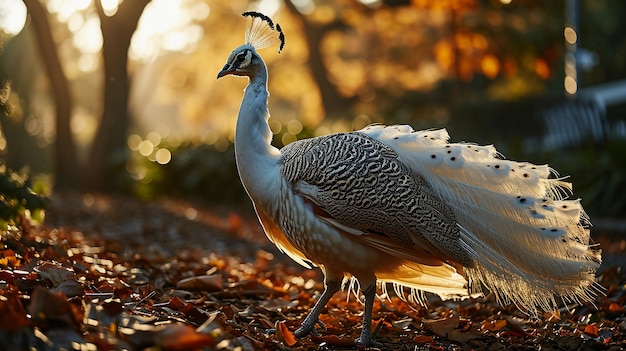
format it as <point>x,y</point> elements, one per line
<point>163,156</point>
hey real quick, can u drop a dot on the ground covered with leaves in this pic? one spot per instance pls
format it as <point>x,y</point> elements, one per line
<point>113,273</point>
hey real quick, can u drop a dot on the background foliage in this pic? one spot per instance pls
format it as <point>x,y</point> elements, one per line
<point>487,70</point>
<point>19,199</point>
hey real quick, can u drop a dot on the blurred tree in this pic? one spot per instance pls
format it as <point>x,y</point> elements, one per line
<point>314,31</point>
<point>19,69</point>
<point>347,63</point>
<point>366,55</point>
<point>65,160</point>
<point>109,147</point>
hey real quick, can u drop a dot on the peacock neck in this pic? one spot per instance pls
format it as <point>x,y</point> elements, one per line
<point>257,159</point>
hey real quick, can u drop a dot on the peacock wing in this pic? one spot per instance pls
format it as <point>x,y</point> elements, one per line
<point>358,185</point>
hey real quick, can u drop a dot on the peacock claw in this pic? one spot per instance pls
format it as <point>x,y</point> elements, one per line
<point>302,332</point>
<point>368,343</point>
<point>306,330</point>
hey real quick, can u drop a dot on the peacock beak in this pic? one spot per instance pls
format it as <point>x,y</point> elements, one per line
<point>225,71</point>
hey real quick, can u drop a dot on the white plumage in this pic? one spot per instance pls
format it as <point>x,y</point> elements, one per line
<point>393,205</point>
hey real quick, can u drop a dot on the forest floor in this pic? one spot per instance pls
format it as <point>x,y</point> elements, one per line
<point>114,273</point>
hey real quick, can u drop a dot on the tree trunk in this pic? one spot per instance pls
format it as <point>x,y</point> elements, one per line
<point>65,160</point>
<point>335,105</point>
<point>109,149</point>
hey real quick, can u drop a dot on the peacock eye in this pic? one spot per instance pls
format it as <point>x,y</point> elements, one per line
<point>241,57</point>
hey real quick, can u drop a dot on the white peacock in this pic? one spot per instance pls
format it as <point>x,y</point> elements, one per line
<point>389,204</point>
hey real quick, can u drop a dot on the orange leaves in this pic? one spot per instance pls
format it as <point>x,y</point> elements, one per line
<point>8,258</point>
<point>202,283</point>
<point>12,313</point>
<point>446,5</point>
<point>52,310</point>
<point>615,307</point>
<point>552,316</point>
<point>177,337</point>
<point>452,328</point>
<point>490,66</point>
<point>444,54</point>
<point>474,55</point>
<point>542,69</point>
<point>136,300</point>
<point>493,325</point>
<point>591,330</point>
<point>284,335</point>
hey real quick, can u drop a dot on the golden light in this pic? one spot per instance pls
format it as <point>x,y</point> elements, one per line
<point>305,7</point>
<point>89,38</point>
<point>294,127</point>
<point>154,138</point>
<point>444,54</point>
<point>506,2</point>
<point>288,138</point>
<point>163,156</point>
<point>87,63</point>
<point>168,25</point>
<point>146,148</point>
<point>12,16</point>
<point>570,35</point>
<point>542,69</point>
<point>570,85</point>
<point>133,142</point>
<point>275,125</point>
<point>83,125</point>
<point>490,66</point>
<point>479,41</point>
<point>109,7</point>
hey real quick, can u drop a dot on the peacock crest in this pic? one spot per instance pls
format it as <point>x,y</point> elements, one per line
<point>261,32</point>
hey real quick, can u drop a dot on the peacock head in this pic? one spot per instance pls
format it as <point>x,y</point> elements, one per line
<point>260,33</point>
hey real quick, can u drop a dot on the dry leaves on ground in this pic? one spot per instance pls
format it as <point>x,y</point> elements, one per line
<point>61,287</point>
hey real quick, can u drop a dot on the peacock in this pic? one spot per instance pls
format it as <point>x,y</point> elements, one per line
<point>389,204</point>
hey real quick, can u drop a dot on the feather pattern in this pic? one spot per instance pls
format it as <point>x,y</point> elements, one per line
<point>527,240</point>
<point>361,183</point>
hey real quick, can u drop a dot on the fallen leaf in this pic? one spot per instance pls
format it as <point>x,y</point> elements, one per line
<point>56,273</point>
<point>8,258</point>
<point>591,330</point>
<point>182,337</point>
<point>615,307</point>
<point>493,325</point>
<point>202,283</point>
<point>552,316</point>
<point>12,313</point>
<point>47,309</point>
<point>176,303</point>
<point>423,339</point>
<point>449,329</point>
<point>70,288</point>
<point>283,334</point>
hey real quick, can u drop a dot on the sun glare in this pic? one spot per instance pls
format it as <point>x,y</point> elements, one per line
<point>12,16</point>
<point>168,25</point>
<point>109,7</point>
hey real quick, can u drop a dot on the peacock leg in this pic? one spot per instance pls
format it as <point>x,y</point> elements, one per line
<point>369,293</point>
<point>330,288</point>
